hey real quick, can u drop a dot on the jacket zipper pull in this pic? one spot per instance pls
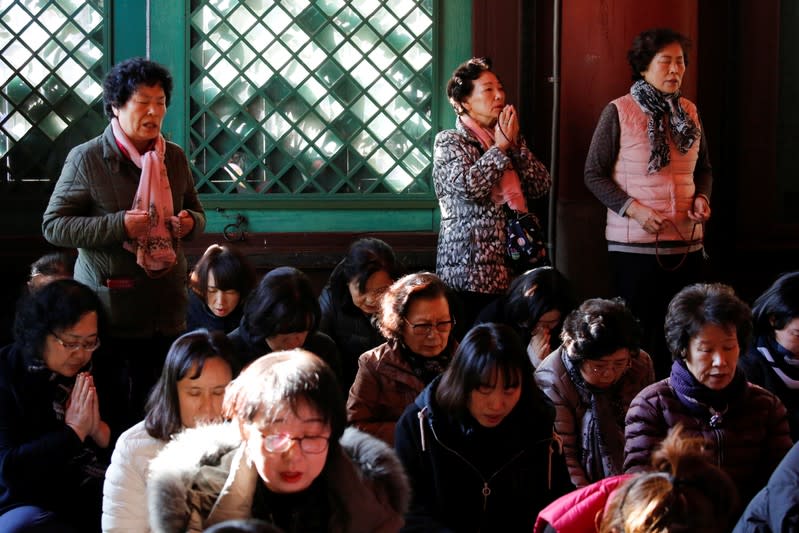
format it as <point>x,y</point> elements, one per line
<point>486,494</point>
<point>420,415</point>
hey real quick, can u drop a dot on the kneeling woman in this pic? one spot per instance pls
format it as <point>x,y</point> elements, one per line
<point>478,442</point>
<point>51,432</point>
<point>285,458</point>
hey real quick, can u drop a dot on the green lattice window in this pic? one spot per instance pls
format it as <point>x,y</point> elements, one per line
<point>325,98</point>
<point>51,62</point>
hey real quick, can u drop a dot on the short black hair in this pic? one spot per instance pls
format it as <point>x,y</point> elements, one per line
<point>231,270</point>
<point>461,83</point>
<point>534,293</point>
<point>56,306</point>
<point>125,77</point>
<point>365,257</point>
<point>283,302</point>
<point>190,350</point>
<point>777,306</point>
<point>648,43</point>
<point>705,303</point>
<point>486,349</point>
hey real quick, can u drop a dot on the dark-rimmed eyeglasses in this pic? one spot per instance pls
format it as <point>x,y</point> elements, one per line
<point>423,330</point>
<point>88,346</point>
<point>282,442</point>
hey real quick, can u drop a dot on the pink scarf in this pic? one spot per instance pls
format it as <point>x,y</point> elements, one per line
<point>508,190</point>
<point>155,252</point>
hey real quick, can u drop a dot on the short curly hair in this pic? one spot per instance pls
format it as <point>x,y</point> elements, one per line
<point>648,43</point>
<point>461,83</point>
<point>600,327</point>
<point>700,304</point>
<point>125,77</point>
<point>398,298</point>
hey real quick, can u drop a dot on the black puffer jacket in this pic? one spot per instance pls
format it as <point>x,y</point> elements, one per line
<point>351,330</point>
<point>469,478</point>
<point>249,347</point>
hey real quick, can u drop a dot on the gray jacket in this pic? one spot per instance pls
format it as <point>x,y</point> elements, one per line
<point>87,211</point>
<point>554,380</point>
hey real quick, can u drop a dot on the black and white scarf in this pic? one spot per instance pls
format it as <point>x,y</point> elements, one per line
<point>684,131</point>
<point>602,426</point>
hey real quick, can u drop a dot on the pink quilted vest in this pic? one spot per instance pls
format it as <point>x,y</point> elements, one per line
<point>670,191</point>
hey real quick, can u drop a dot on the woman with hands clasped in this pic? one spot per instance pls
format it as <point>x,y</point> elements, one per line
<point>51,430</point>
<point>649,165</point>
<point>126,199</point>
<point>480,169</point>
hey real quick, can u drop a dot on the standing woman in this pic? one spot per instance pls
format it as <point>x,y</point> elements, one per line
<point>478,444</point>
<point>416,319</point>
<point>649,165</point>
<point>480,168</point>
<point>52,435</point>
<point>220,283</point>
<point>351,299</point>
<point>130,255</point>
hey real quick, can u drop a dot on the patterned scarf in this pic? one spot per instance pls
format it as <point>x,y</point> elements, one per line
<point>702,401</point>
<point>602,426</point>
<point>508,190</point>
<point>155,252</point>
<point>427,368</point>
<point>656,105</point>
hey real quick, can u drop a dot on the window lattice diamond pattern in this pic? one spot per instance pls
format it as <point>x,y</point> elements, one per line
<point>51,56</point>
<point>324,97</point>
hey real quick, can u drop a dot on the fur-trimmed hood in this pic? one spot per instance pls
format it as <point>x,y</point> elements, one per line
<point>204,477</point>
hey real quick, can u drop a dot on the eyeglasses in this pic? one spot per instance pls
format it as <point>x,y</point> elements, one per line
<point>616,368</point>
<point>88,346</point>
<point>282,442</point>
<point>423,330</point>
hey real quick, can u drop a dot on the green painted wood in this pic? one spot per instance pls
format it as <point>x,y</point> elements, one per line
<point>453,47</point>
<point>169,46</point>
<point>128,30</point>
<point>322,220</point>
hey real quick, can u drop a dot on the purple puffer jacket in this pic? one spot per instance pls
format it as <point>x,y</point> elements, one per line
<point>748,443</point>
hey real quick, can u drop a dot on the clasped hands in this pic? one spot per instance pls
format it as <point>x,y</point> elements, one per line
<point>83,412</point>
<point>506,131</point>
<point>652,221</point>
<point>137,223</point>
